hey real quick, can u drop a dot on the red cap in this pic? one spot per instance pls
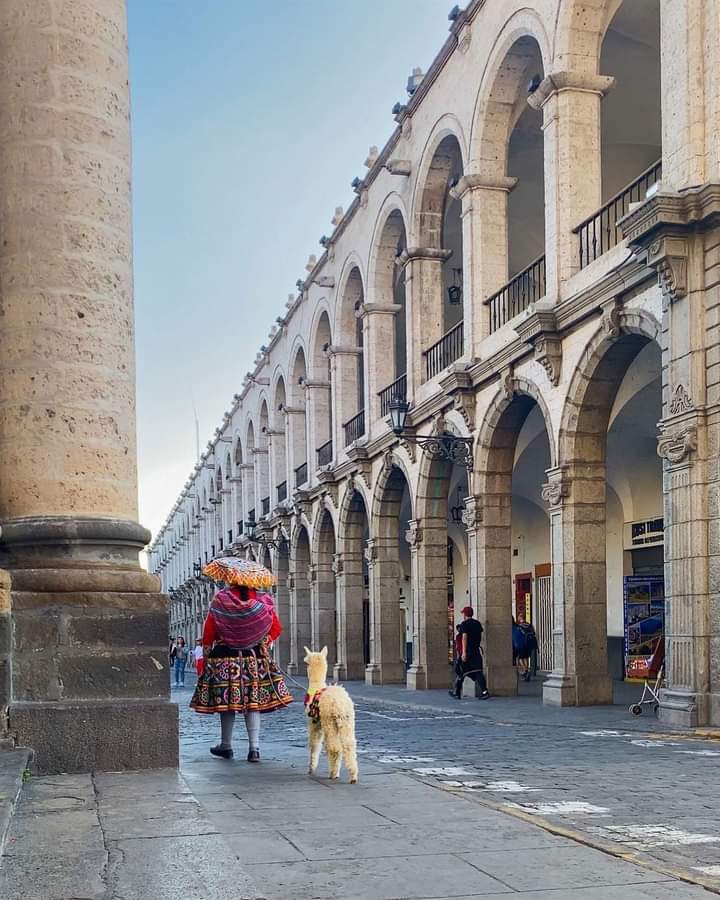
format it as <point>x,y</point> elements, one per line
<point>468,611</point>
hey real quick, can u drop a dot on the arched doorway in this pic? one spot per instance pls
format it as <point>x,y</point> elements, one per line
<point>320,405</point>
<point>350,378</point>
<point>282,599</point>
<point>324,600</point>
<point>610,498</point>
<point>300,603</point>
<point>279,444</point>
<point>297,421</point>
<point>351,572</point>
<point>389,575</point>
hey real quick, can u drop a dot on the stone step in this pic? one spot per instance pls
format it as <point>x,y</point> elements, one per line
<point>13,765</point>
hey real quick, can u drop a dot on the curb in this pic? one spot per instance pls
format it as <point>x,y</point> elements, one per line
<point>10,787</point>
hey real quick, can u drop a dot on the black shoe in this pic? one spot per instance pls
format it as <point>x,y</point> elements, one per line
<point>224,752</point>
<point>453,694</point>
<point>484,696</point>
<point>253,756</point>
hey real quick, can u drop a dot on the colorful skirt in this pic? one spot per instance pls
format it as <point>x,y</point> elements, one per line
<point>249,682</point>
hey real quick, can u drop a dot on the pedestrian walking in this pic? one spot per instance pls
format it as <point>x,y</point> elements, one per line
<point>179,657</point>
<point>524,643</point>
<point>239,675</point>
<point>469,663</point>
<point>199,655</point>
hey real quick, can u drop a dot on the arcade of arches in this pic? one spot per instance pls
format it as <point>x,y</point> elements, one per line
<point>531,264</point>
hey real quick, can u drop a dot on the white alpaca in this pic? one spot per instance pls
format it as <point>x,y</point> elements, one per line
<point>331,716</point>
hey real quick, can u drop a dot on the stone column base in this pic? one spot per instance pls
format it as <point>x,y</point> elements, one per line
<point>421,679</point>
<point>683,708</point>
<point>339,671</point>
<point>104,736</point>
<point>578,690</point>
<point>385,673</point>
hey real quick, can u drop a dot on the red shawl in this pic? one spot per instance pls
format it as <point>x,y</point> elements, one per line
<point>240,618</point>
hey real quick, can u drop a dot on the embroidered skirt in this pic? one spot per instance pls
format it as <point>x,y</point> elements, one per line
<point>248,682</point>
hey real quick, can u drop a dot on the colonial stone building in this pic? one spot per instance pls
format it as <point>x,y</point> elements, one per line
<point>532,263</point>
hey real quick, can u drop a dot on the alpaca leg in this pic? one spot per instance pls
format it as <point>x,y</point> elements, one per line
<point>334,763</point>
<point>315,745</point>
<point>351,763</point>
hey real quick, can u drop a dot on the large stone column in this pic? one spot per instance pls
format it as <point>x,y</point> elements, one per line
<point>322,599</point>
<point>570,103</point>
<point>379,343</point>
<point>89,658</point>
<point>348,570</point>
<point>424,307</point>
<point>386,665</point>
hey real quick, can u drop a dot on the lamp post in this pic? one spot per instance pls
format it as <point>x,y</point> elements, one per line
<point>441,446</point>
<point>255,538</point>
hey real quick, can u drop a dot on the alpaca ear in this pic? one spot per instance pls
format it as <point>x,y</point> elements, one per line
<point>323,653</point>
<point>307,654</point>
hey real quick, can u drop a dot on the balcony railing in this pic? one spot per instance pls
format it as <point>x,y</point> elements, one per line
<point>395,391</point>
<point>325,454</point>
<point>265,506</point>
<point>301,475</point>
<point>600,233</point>
<point>354,428</point>
<point>444,352</point>
<point>240,528</point>
<point>513,298</point>
<point>282,491</point>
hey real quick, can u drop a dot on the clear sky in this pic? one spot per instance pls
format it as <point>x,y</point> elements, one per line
<point>250,120</point>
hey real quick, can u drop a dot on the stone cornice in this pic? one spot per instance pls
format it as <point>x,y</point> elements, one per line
<point>557,82</point>
<point>672,213</point>
<point>429,253</point>
<point>370,309</point>
<point>473,181</point>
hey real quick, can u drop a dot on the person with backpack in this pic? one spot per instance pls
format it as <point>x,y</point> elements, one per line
<point>469,663</point>
<point>524,643</point>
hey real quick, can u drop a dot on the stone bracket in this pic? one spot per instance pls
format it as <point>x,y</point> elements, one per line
<point>539,330</point>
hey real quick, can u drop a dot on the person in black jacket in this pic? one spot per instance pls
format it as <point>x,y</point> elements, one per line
<point>469,662</point>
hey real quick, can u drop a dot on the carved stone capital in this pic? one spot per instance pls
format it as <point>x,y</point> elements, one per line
<point>557,82</point>
<point>677,445</point>
<point>430,254</point>
<point>557,487</point>
<point>338,564</point>
<point>291,581</point>
<point>508,385</point>
<point>472,514</point>
<point>311,574</point>
<point>371,551</point>
<point>414,534</point>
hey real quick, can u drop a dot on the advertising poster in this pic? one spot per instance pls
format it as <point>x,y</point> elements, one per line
<point>644,622</point>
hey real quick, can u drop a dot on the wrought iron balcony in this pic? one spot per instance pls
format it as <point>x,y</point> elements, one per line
<point>301,475</point>
<point>443,353</point>
<point>600,233</point>
<point>325,453</point>
<point>282,491</point>
<point>395,391</point>
<point>354,428</point>
<point>514,297</point>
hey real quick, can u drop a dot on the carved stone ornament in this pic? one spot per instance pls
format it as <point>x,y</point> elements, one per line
<point>507,383</point>
<point>669,257</point>
<point>388,461</point>
<point>613,319</point>
<point>676,446</point>
<point>472,515</point>
<point>408,448</point>
<point>681,402</point>
<point>371,552</point>
<point>554,492</point>
<point>338,564</point>
<point>548,352</point>
<point>414,534</point>
<point>464,404</point>
<point>330,492</point>
<point>440,424</point>
<point>291,582</point>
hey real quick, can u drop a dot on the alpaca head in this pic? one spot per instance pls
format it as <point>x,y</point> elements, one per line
<point>316,664</point>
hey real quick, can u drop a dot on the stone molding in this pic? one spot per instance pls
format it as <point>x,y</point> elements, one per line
<point>676,445</point>
<point>558,82</point>
<point>432,254</point>
<point>472,514</point>
<point>414,534</point>
<point>474,181</point>
<point>557,488</point>
<point>539,330</point>
<point>338,564</point>
<point>333,350</point>
<point>681,402</point>
<point>371,551</point>
<point>613,318</point>
<point>669,257</point>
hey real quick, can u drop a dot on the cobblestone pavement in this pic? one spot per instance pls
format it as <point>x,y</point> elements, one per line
<point>600,776</point>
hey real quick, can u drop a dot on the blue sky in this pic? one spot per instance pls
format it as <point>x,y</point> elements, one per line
<point>250,120</point>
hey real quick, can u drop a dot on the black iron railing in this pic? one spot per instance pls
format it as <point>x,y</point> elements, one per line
<point>265,506</point>
<point>229,536</point>
<point>395,391</point>
<point>600,233</point>
<point>514,297</point>
<point>282,491</point>
<point>445,351</point>
<point>325,453</point>
<point>301,475</point>
<point>240,528</point>
<point>354,428</point>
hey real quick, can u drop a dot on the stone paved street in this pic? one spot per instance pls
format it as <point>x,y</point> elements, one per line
<point>455,800</point>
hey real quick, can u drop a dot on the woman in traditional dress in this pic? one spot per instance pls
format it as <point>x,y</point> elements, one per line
<point>239,674</point>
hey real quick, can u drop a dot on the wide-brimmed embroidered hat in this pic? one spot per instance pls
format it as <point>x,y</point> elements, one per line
<point>243,572</point>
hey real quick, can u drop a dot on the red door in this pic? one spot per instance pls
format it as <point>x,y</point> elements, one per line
<point>523,595</point>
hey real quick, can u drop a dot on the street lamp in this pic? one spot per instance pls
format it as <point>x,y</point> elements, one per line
<point>255,538</point>
<point>441,446</point>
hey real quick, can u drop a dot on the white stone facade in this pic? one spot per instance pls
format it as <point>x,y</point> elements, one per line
<point>480,275</point>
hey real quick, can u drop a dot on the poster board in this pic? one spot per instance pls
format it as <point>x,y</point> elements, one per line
<point>644,605</point>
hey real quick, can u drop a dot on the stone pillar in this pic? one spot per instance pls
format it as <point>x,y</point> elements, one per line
<point>300,619</point>
<point>485,248</point>
<point>343,376</point>
<point>282,605</point>
<point>348,570</point>
<point>379,342</point>
<point>83,695</point>
<point>576,497</point>
<point>487,520</point>
<point>424,307</point>
<point>317,399</point>
<point>386,663</point>
<point>296,442</point>
<point>570,103</point>
<point>428,561</point>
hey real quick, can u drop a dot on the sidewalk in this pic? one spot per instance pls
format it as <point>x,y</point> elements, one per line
<point>222,829</point>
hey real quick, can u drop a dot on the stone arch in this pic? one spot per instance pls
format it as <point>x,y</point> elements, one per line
<point>350,291</point>
<point>297,436</point>
<point>579,30</point>
<point>262,461</point>
<point>321,411</point>
<point>433,174</point>
<point>249,474</point>
<point>278,422</point>
<point>351,570</point>
<point>300,599</point>
<point>323,588</point>
<point>581,498</point>
<point>349,333</point>
<point>387,280</point>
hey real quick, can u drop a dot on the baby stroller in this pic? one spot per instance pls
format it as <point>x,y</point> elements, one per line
<point>653,682</point>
